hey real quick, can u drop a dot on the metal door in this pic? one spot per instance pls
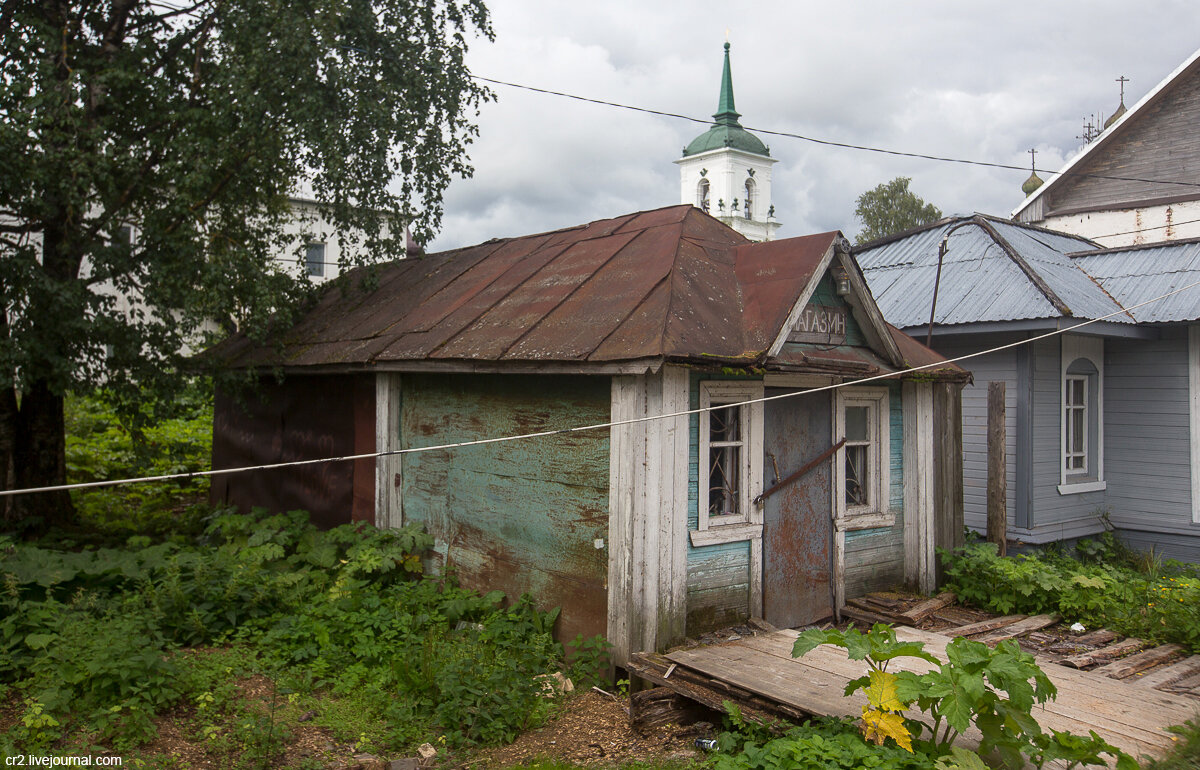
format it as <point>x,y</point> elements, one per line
<point>797,519</point>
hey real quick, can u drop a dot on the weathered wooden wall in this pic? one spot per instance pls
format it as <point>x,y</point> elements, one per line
<point>875,557</point>
<point>522,516</point>
<point>1162,144</point>
<point>303,417</point>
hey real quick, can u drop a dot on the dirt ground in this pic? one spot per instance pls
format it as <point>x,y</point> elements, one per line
<point>592,729</point>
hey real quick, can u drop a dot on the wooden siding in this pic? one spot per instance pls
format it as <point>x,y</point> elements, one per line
<point>995,367</point>
<point>875,557</point>
<point>1147,440</point>
<point>826,294</point>
<point>1055,516</point>
<point>1169,546</point>
<point>1161,144</point>
<point>520,516</point>
<point>647,571</point>
<point>718,576</point>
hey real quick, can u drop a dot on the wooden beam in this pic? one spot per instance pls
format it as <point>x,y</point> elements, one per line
<point>865,616</point>
<point>997,469</point>
<point>982,626</point>
<point>922,610</point>
<point>1139,662</point>
<point>1097,637</point>
<point>1016,629</point>
<point>1170,674</point>
<point>1086,659</point>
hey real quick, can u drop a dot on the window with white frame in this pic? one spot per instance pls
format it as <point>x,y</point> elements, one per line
<point>862,470</point>
<point>702,194</point>
<point>1082,426</point>
<point>730,450</point>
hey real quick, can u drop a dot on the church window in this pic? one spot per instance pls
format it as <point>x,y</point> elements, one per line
<point>750,199</point>
<point>702,194</point>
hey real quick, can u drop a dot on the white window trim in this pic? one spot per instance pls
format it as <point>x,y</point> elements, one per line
<point>1075,347</point>
<point>878,512</point>
<point>1194,415</point>
<point>748,526</point>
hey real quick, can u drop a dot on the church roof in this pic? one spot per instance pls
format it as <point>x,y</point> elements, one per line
<point>726,131</point>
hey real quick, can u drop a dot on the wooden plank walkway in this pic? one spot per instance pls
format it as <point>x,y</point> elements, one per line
<point>1130,717</point>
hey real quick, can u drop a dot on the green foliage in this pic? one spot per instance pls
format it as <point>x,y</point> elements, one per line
<point>1185,754</point>
<point>103,445</point>
<point>891,208</point>
<point>94,638</point>
<point>192,130</point>
<point>1161,604</point>
<point>993,690</point>
<point>820,744</point>
<point>589,660</point>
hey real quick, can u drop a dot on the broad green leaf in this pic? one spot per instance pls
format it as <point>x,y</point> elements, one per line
<point>960,759</point>
<point>808,641</point>
<point>905,649</point>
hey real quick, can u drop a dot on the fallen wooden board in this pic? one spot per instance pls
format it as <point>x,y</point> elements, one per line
<point>1185,685</point>
<point>1104,653</point>
<point>1098,637</point>
<point>922,610</point>
<point>866,616</point>
<point>1131,718</point>
<point>1169,674</point>
<point>1141,661</point>
<point>991,624</point>
<point>1032,623</point>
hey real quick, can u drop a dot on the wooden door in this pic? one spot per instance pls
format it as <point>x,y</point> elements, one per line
<point>797,519</point>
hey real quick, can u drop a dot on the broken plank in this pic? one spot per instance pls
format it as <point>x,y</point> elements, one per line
<point>650,666</point>
<point>884,600</point>
<point>1032,623</point>
<point>866,616</point>
<point>982,626</point>
<point>1185,685</point>
<point>922,610</point>
<point>1085,659</point>
<point>1169,674</point>
<point>1098,637</point>
<point>1139,662</point>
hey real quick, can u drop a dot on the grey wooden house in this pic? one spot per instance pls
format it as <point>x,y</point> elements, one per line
<point>650,530</point>
<point>1101,420</point>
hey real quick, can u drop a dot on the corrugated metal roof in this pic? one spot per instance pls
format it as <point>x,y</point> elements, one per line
<point>1138,274</point>
<point>669,284</point>
<point>981,280</point>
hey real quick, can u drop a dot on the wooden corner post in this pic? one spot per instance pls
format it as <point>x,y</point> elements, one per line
<point>997,482</point>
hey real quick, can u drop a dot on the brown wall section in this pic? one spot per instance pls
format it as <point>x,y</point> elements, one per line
<point>301,418</point>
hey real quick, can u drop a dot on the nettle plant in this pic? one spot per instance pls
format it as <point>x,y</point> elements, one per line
<point>993,689</point>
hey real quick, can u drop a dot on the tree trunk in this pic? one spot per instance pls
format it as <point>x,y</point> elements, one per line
<point>41,460</point>
<point>8,450</point>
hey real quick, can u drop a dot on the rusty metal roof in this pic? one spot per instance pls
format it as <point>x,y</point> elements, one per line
<point>668,284</point>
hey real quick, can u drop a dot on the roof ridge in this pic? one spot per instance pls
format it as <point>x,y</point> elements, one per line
<point>1034,276</point>
<point>1133,247</point>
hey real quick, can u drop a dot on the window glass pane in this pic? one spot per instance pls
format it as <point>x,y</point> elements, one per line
<point>857,484</point>
<point>315,259</point>
<point>1075,436</point>
<point>724,480</point>
<point>856,423</point>
<point>1077,397</point>
<point>724,424</point>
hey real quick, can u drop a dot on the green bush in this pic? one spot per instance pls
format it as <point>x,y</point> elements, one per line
<point>1161,604</point>
<point>164,439</point>
<point>91,638</point>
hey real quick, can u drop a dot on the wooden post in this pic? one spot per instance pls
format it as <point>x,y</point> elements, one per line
<point>997,482</point>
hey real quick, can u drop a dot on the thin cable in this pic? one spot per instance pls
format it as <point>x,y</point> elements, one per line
<point>581,428</point>
<point>824,142</point>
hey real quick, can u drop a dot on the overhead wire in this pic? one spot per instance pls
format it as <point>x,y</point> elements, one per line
<point>581,428</point>
<point>824,142</point>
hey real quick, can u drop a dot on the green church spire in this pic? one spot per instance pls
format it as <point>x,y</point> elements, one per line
<point>726,131</point>
<point>727,114</point>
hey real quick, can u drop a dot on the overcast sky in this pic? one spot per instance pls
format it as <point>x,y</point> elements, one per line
<point>975,80</point>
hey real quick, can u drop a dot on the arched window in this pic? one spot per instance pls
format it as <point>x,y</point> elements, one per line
<point>750,198</point>
<point>1082,421</point>
<point>702,194</point>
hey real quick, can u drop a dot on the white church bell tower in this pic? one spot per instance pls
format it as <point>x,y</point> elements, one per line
<point>727,171</point>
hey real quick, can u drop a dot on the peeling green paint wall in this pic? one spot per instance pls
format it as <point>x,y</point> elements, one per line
<point>520,516</point>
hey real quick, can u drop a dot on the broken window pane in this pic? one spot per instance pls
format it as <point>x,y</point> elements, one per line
<point>724,491</point>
